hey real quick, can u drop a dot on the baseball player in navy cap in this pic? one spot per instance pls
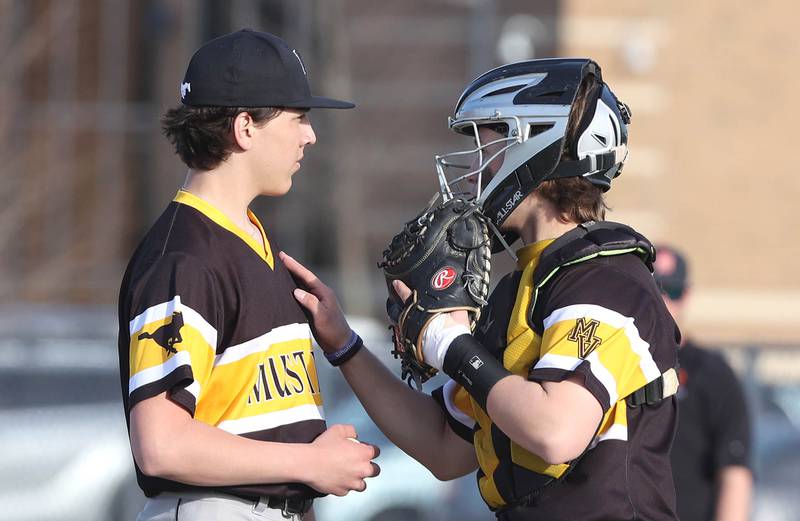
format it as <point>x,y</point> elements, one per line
<point>218,380</point>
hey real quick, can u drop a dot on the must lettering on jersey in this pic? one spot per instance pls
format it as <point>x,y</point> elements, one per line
<point>207,316</point>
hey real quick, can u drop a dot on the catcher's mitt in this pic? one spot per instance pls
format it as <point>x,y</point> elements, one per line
<point>443,256</point>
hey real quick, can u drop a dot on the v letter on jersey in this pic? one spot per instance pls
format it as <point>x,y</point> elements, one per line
<point>584,333</point>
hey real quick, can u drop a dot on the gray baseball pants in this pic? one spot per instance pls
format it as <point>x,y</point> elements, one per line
<point>209,507</point>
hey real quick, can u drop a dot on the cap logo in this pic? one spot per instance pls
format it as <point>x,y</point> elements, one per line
<point>300,60</point>
<point>443,278</point>
<point>185,87</point>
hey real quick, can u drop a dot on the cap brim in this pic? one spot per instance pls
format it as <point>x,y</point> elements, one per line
<point>318,102</point>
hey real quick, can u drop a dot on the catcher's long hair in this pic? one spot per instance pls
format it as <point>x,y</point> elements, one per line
<point>202,136</point>
<point>575,199</point>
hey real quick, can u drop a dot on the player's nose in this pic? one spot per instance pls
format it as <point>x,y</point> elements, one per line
<point>309,137</point>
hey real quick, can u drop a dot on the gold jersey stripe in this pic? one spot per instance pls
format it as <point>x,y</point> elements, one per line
<point>523,343</point>
<point>521,352</point>
<point>281,376</point>
<point>157,372</point>
<point>530,461</point>
<point>159,346</point>
<point>615,422</point>
<point>613,361</point>
<point>150,362</point>
<point>487,459</point>
<point>588,313</point>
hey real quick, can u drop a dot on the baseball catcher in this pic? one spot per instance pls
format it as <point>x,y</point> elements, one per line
<point>443,255</point>
<point>562,396</point>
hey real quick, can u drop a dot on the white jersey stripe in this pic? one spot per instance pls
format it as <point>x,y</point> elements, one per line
<point>604,376</point>
<point>554,361</point>
<point>190,317</point>
<point>194,389</point>
<point>570,363</point>
<point>296,331</point>
<point>613,319</point>
<point>156,373</point>
<point>615,432</point>
<point>271,420</point>
<point>448,392</point>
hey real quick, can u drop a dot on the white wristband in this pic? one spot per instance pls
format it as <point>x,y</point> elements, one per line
<point>437,339</point>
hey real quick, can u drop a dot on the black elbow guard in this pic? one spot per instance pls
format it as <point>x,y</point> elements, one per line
<point>471,365</point>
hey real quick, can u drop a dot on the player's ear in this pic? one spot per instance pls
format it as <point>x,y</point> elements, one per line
<point>243,127</point>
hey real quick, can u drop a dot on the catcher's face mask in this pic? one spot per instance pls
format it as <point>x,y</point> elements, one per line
<point>518,116</point>
<point>466,173</point>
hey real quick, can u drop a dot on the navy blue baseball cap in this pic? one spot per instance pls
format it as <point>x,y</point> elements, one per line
<point>249,68</point>
<point>671,272</point>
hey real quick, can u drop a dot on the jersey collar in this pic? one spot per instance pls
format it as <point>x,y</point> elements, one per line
<point>531,253</point>
<point>210,211</point>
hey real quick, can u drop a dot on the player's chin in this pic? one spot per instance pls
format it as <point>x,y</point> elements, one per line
<point>279,190</point>
<point>282,185</point>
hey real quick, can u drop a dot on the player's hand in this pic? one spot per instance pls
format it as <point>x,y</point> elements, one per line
<point>328,324</point>
<point>440,332</point>
<point>451,319</point>
<point>342,462</point>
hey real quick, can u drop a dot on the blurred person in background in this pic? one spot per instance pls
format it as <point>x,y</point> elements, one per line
<point>218,378</point>
<point>711,453</point>
<point>564,407</point>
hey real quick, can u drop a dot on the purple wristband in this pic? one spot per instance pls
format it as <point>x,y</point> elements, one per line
<point>344,354</point>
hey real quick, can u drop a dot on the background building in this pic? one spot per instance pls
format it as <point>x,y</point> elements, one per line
<point>85,169</point>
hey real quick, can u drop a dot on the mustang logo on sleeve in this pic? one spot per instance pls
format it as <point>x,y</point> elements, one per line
<point>167,335</point>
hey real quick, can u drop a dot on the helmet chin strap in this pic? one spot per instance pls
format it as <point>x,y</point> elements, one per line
<point>499,235</point>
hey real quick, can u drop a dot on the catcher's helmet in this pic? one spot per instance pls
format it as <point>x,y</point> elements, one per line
<point>553,118</point>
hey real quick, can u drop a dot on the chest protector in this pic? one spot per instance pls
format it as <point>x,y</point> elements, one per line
<point>597,239</point>
<point>587,241</point>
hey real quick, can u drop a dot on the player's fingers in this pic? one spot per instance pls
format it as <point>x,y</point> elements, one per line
<point>299,271</point>
<point>307,300</point>
<point>403,291</point>
<point>457,317</point>
<point>295,268</point>
<point>361,486</point>
<point>376,451</point>
<point>347,431</point>
<point>376,470</point>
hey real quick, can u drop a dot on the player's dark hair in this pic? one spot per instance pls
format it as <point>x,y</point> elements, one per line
<point>202,136</point>
<point>575,199</point>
